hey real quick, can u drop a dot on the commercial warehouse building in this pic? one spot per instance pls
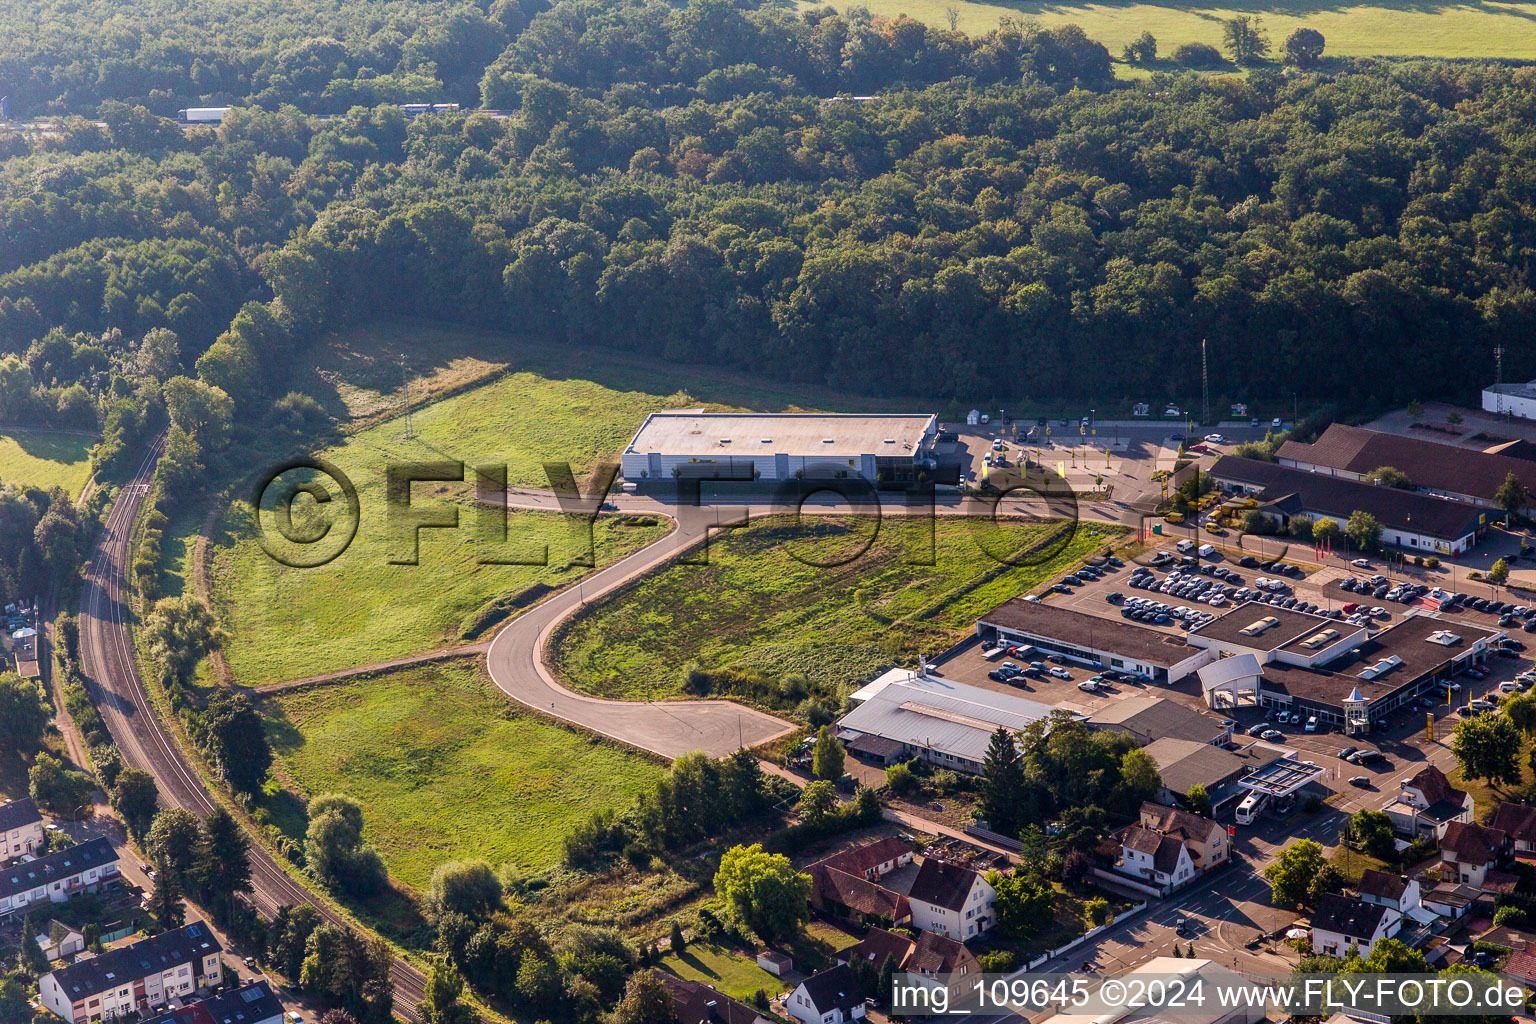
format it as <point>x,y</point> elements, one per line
<point>1325,667</point>
<point>1408,519</point>
<point>1091,640</point>
<point>948,724</point>
<point>769,447</point>
<point>1511,399</point>
<point>1448,471</point>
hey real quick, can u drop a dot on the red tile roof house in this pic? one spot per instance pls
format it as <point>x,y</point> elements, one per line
<point>1518,822</point>
<point>930,955</point>
<point>1522,964</point>
<point>1427,803</point>
<point>951,900</point>
<point>1468,852</point>
<point>856,899</point>
<point>872,861</point>
<point>697,1003</point>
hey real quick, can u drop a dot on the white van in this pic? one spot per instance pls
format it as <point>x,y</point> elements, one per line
<point>1249,809</point>
<point>1206,551</point>
<point>1312,724</point>
<point>1185,546</point>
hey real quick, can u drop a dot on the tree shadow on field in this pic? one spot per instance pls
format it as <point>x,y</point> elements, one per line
<point>48,446</point>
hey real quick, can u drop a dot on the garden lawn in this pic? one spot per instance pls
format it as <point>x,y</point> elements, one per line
<point>758,607</point>
<point>45,458</point>
<point>445,768</point>
<point>1406,29</point>
<point>723,969</point>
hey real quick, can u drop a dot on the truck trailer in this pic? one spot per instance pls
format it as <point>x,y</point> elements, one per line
<point>202,115</point>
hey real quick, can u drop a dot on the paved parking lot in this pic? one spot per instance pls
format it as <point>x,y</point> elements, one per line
<point>1403,738</point>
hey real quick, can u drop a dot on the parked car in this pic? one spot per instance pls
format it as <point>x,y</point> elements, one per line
<point>1361,563</point>
<point>1345,752</point>
<point>1273,735</point>
<point>1258,730</point>
<point>1060,673</point>
<point>1360,781</point>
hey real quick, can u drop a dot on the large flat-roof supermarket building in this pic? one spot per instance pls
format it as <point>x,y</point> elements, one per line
<point>760,446</point>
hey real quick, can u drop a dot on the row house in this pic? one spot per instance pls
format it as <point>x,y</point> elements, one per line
<point>136,978</point>
<point>58,876</point>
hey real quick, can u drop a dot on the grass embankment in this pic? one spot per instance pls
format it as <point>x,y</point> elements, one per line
<point>1406,29</point>
<point>446,768</point>
<point>756,607</point>
<point>45,458</point>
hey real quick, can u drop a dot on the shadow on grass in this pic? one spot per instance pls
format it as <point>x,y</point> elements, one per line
<point>52,447</point>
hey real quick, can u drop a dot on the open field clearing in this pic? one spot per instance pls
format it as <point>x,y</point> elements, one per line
<point>286,623</point>
<point>1500,30</point>
<point>446,768</point>
<point>759,608</point>
<point>45,458</point>
<point>360,376</point>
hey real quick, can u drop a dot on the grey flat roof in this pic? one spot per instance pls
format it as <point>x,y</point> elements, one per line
<point>800,434</point>
<point>1290,625</point>
<point>960,721</point>
<point>1183,763</point>
<point>1083,630</point>
<point>1408,641</point>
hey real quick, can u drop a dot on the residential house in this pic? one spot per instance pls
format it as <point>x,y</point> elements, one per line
<point>21,829</point>
<point>58,876</point>
<point>951,900</point>
<point>697,1003</point>
<point>1399,892</point>
<point>1450,899</point>
<point>59,941</point>
<point>253,1004</point>
<point>1518,823</point>
<point>872,861</point>
<point>1522,965</point>
<point>830,996</point>
<point>876,947</point>
<point>1467,852</point>
<point>1205,840</point>
<point>1162,860</point>
<point>1427,803</point>
<point>855,898</point>
<point>135,978</point>
<point>1344,921</point>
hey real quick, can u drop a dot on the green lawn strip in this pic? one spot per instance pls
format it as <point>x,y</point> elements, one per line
<point>45,458</point>
<point>1480,30</point>
<point>734,973</point>
<point>446,768</point>
<point>757,606</point>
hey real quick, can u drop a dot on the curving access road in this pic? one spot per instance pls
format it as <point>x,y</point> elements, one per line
<point>516,664</point>
<point>114,684</point>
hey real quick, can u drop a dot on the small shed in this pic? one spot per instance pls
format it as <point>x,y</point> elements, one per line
<point>776,964</point>
<point>973,418</point>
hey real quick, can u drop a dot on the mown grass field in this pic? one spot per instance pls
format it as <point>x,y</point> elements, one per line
<point>757,606</point>
<point>446,768</point>
<point>45,458</point>
<point>289,623</point>
<point>723,969</point>
<point>1409,29</point>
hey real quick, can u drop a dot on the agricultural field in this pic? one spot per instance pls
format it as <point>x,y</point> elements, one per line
<point>761,605</point>
<point>45,458</point>
<point>1411,29</point>
<point>446,768</point>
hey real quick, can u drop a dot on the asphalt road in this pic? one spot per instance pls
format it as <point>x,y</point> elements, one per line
<point>115,686</point>
<point>515,662</point>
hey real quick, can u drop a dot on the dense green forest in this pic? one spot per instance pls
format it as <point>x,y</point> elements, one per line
<point>974,217</point>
